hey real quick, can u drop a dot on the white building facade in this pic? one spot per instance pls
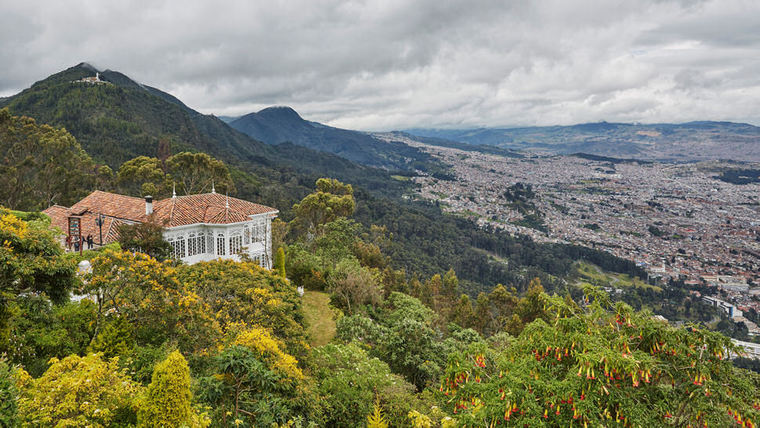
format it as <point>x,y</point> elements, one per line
<point>202,242</point>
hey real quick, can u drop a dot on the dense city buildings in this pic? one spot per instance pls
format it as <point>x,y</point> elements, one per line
<point>676,220</point>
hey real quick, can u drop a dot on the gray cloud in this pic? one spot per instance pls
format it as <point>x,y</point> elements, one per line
<point>385,64</point>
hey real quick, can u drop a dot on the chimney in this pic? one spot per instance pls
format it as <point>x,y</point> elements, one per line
<point>148,205</point>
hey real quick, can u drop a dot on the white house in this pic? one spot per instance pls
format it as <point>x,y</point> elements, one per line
<point>200,227</point>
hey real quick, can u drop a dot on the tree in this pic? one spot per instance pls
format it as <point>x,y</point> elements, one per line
<point>197,172</point>
<point>331,200</point>
<point>601,366</point>
<point>8,395</point>
<point>348,379</point>
<point>450,284</point>
<point>40,330</point>
<point>146,238</point>
<point>79,391</point>
<point>168,399</point>
<point>243,292</point>
<point>143,176</point>
<point>152,299</point>
<point>463,313</point>
<point>41,165</point>
<point>193,172</point>
<point>255,382</point>
<point>31,261</point>
<point>279,262</point>
<point>352,285</point>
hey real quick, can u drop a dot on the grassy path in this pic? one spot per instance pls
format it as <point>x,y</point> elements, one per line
<point>319,315</point>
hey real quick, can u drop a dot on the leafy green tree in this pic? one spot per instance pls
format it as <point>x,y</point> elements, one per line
<point>463,313</point>
<point>152,299</point>
<point>331,200</point>
<point>196,172</point>
<point>450,284</point>
<point>146,238</point>
<point>601,366</point>
<point>348,379</point>
<point>41,165</point>
<point>168,400</point>
<point>31,261</point>
<point>116,338</point>
<point>482,316</point>
<point>403,336</point>
<point>8,395</point>
<point>143,176</point>
<point>256,383</point>
<point>79,391</point>
<point>104,178</point>
<point>352,285</point>
<point>279,262</point>
<point>189,173</point>
<point>40,330</point>
<point>503,304</point>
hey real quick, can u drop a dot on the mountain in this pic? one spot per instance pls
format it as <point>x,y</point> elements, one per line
<point>692,141</point>
<point>118,119</point>
<point>276,125</point>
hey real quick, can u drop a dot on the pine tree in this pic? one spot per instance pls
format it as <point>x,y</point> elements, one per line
<point>167,402</point>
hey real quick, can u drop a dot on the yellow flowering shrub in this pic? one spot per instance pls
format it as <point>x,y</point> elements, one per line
<point>270,349</point>
<point>238,292</point>
<point>152,297</point>
<point>78,391</point>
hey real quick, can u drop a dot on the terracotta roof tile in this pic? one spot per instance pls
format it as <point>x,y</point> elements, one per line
<point>60,218</point>
<point>112,205</point>
<point>206,208</point>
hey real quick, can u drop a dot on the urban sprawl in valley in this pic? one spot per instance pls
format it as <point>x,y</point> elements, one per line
<point>675,220</point>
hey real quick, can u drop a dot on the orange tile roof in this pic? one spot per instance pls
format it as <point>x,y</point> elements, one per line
<point>206,208</point>
<point>112,205</point>
<point>212,208</point>
<point>60,218</point>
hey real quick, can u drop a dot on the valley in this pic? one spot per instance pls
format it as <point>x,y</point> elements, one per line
<point>675,220</point>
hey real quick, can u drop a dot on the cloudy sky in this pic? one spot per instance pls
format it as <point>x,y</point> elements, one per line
<point>392,64</point>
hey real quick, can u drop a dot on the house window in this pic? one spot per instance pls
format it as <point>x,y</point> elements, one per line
<point>247,235</point>
<point>201,243</point>
<point>220,245</point>
<point>210,242</point>
<point>258,233</point>
<point>191,245</point>
<point>262,231</point>
<point>236,243</point>
<point>180,250</point>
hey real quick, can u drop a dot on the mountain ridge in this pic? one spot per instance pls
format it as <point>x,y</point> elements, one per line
<point>280,124</point>
<point>689,141</point>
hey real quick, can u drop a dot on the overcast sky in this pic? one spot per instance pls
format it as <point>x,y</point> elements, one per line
<point>388,64</point>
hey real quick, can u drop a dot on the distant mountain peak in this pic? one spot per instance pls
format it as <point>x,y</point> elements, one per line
<point>284,112</point>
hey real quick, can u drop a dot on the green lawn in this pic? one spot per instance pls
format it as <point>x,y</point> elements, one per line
<point>320,316</point>
<point>592,274</point>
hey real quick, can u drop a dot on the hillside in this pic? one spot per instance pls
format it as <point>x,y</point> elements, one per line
<point>275,125</point>
<point>691,141</point>
<point>117,121</point>
<point>121,119</point>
